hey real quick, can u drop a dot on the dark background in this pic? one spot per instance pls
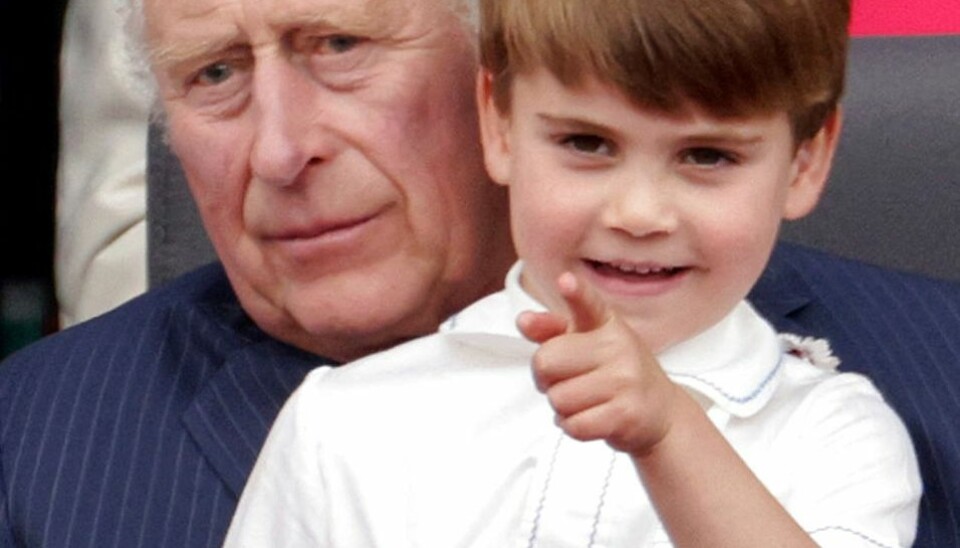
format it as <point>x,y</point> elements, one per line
<point>29,59</point>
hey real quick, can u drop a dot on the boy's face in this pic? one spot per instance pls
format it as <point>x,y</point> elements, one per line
<point>670,218</point>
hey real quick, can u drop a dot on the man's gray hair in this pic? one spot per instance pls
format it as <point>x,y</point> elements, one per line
<point>135,54</point>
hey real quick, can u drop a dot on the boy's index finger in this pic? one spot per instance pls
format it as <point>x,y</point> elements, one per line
<point>587,310</point>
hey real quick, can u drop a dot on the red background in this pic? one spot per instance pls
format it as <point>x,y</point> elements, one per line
<point>905,17</point>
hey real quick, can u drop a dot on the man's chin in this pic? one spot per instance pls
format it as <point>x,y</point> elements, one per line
<point>346,329</point>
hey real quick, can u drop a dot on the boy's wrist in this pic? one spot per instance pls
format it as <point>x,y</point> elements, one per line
<point>685,420</point>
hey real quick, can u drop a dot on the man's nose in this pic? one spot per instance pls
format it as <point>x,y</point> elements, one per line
<point>641,207</point>
<point>289,131</point>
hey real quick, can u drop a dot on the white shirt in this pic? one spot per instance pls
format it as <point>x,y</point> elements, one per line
<point>445,442</point>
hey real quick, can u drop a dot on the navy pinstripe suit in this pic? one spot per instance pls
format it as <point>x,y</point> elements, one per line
<point>139,428</point>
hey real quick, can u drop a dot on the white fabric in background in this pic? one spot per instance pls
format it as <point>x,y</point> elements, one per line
<point>101,251</point>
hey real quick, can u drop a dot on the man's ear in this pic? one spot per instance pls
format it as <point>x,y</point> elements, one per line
<point>494,132</point>
<point>812,164</point>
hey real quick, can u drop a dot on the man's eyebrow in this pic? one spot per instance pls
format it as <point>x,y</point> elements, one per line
<point>348,20</point>
<point>186,50</point>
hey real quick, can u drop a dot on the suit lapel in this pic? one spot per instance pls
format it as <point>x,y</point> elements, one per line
<point>232,413</point>
<point>781,292</point>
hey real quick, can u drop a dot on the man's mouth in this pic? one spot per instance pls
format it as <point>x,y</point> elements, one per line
<point>334,240</point>
<point>327,228</point>
<point>321,229</point>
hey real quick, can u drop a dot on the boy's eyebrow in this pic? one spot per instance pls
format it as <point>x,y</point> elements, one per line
<point>706,134</point>
<point>573,124</point>
<point>742,138</point>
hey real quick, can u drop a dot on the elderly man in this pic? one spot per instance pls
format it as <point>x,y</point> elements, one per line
<point>331,146</point>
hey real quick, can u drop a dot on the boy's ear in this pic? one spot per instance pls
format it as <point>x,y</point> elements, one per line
<point>812,166</point>
<point>493,130</point>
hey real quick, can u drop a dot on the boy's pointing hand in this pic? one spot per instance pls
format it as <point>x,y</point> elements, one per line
<point>601,379</point>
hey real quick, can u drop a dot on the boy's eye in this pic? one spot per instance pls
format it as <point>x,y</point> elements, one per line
<point>589,144</point>
<point>706,157</point>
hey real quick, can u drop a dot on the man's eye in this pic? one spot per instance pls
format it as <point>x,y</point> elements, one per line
<point>214,74</point>
<point>329,44</point>
<point>589,144</point>
<point>342,43</point>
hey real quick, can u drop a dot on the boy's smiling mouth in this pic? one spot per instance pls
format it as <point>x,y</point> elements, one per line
<point>639,271</point>
<point>635,279</point>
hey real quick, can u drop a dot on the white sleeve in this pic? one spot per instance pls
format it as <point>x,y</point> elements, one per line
<point>283,501</point>
<point>100,257</point>
<point>856,463</point>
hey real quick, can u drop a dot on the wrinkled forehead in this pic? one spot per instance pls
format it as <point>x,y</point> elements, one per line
<point>178,23</point>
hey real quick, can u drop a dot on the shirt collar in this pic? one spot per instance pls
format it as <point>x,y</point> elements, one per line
<point>735,364</point>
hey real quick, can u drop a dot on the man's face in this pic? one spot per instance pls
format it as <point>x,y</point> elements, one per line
<point>332,148</point>
<point>669,218</point>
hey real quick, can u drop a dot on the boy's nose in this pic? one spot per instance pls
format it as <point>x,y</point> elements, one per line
<point>642,208</point>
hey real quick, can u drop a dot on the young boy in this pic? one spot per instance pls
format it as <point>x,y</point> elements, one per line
<point>651,149</point>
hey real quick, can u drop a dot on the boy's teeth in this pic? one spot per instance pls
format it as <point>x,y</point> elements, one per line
<point>633,269</point>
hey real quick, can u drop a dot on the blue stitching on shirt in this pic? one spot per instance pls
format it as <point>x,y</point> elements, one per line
<point>534,531</point>
<point>603,499</point>
<point>738,399</point>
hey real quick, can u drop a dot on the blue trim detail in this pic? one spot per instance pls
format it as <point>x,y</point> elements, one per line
<point>737,399</point>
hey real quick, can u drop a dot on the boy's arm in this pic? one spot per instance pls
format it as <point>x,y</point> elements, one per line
<point>605,384</point>
<point>705,494</point>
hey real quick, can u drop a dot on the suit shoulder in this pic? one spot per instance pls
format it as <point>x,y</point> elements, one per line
<point>138,334</point>
<point>794,267</point>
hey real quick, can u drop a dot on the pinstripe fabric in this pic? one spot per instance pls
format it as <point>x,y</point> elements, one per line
<point>140,427</point>
<point>904,333</point>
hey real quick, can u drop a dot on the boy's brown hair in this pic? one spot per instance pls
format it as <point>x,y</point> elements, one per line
<point>730,57</point>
